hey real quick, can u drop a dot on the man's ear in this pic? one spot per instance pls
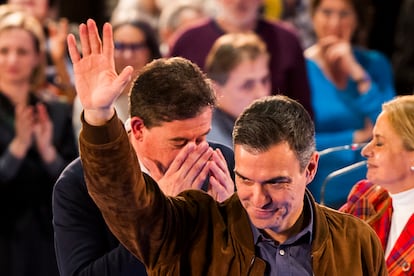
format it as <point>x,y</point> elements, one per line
<point>312,167</point>
<point>137,127</point>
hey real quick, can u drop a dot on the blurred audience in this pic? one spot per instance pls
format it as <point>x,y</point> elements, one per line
<point>36,143</point>
<point>385,198</point>
<point>175,16</point>
<point>238,65</point>
<point>128,10</point>
<point>295,15</point>
<point>58,70</point>
<point>287,65</point>
<point>348,84</point>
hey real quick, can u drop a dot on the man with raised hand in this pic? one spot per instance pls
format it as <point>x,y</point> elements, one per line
<point>271,226</point>
<point>167,130</point>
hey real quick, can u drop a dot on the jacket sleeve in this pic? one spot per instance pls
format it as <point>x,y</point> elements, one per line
<point>83,243</point>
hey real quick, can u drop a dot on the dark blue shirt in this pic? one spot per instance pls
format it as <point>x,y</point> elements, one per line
<point>293,257</point>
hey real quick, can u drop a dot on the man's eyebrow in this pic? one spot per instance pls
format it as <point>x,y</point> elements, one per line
<point>179,139</point>
<point>239,175</point>
<point>276,179</point>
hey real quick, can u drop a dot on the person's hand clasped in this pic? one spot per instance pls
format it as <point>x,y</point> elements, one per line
<point>97,83</point>
<point>221,185</point>
<point>192,165</point>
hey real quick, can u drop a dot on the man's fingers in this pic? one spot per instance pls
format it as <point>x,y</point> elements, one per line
<point>108,42</point>
<point>218,191</point>
<point>218,157</point>
<point>84,39</point>
<point>198,181</point>
<point>73,49</point>
<point>95,43</point>
<point>181,157</point>
<point>124,78</point>
<point>197,161</point>
<point>153,169</point>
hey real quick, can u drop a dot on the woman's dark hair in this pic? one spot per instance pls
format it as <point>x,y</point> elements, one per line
<point>364,13</point>
<point>150,35</point>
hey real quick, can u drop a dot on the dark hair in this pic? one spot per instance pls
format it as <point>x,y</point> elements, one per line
<point>150,35</point>
<point>169,89</point>
<point>364,13</point>
<point>274,119</point>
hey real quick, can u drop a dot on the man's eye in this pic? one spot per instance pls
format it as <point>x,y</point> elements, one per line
<point>180,145</point>
<point>249,85</point>
<point>247,182</point>
<point>244,181</point>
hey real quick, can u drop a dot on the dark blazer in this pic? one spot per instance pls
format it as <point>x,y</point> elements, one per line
<point>26,234</point>
<point>84,244</point>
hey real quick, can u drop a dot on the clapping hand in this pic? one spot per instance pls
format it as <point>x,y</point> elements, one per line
<point>43,134</point>
<point>97,83</point>
<point>23,125</point>
<point>33,126</point>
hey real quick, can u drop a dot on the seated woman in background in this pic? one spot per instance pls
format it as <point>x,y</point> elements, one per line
<point>385,199</point>
<point>238,65</point>
<point>348,84</point>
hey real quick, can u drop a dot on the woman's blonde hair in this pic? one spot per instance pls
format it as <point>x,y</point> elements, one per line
<point>12,17</point>
<point>400,113</point>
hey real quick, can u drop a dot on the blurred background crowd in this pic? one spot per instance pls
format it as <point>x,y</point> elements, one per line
<point>342,59</point>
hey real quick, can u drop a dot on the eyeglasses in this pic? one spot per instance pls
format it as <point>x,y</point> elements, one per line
<point>342,14</point>
<point>119,46</point>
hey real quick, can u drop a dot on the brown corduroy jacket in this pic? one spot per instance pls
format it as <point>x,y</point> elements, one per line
<point>192,234</point>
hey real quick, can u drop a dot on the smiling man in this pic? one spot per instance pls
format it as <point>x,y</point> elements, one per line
<point>271,222</point>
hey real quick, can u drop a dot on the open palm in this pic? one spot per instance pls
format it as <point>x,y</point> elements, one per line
<point>97,83</point>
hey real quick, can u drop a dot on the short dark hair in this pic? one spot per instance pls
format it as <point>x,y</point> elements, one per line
<point>169,89</point>
<point>274,119</point>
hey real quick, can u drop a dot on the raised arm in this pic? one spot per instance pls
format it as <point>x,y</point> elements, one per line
<point>97,83</point>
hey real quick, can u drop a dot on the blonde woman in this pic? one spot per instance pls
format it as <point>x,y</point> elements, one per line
<point>36,143</point>
<point>385,198</point>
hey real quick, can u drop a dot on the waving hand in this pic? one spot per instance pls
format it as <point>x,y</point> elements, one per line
<point>97,83</point>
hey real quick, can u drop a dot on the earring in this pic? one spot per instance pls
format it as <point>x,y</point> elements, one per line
<point>412,168</point>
